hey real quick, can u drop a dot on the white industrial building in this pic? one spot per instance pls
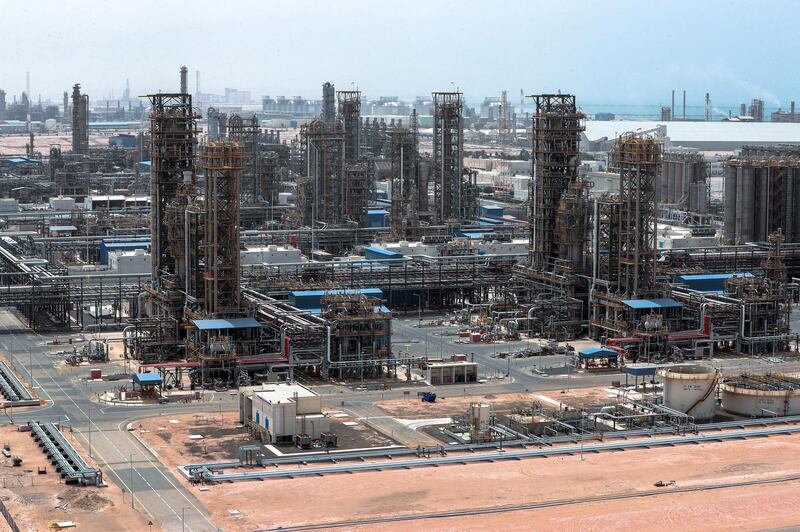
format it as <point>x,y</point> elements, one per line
<point>407,248</point>
<point>9,205</point>
<point>517,246</point>
<point>130,262</point>
<point>271,255</point>
<point>284,410</point>
<point>62,203</point>
<point>519,186</point>
<point>456,372</point>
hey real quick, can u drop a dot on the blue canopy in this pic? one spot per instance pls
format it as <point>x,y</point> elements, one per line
<point>598,352</point>
<point>234,323</point>
<point>651,303</point>
<point>147,379</point>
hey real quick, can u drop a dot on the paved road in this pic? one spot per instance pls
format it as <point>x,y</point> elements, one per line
<point>125,462</point>
<point>130,466</point>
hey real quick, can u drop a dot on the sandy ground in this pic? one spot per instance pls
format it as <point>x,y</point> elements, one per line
<point>453,404</point>
<point>171,442</point>
<point>15,144</point>
<point>420,491</point>
<point>32,499</point>
<point>585,398</point>
<point>222,439</point>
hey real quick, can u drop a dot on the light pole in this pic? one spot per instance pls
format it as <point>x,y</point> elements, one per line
<point>90,432</point>
<point>131,481</point>
<point>419,307</point>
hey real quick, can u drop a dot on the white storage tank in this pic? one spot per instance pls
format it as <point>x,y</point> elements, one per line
<point>690,389</point>
<point>762,395</point>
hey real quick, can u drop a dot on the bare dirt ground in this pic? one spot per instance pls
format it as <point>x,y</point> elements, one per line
<point>33,499</point>
<point>15,144</point>
<point>420,491</point>
<point>171,442</point>
<point>222,439</point>
<point>453,404</point>
<point>581,397</point>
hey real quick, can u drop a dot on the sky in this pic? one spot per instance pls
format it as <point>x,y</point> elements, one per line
<point>604,51</point>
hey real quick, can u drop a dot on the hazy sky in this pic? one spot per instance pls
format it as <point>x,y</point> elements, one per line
<point>605,51</point>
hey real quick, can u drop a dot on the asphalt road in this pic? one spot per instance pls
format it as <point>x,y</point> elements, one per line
<point>128,465</point>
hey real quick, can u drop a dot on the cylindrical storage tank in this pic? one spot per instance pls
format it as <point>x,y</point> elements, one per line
<point>690,389</point>
<point>729,213</point>
<point>754,402</point>
<point>749,209</point>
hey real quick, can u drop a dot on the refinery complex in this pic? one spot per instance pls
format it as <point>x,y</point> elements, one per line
<point>236,310</point>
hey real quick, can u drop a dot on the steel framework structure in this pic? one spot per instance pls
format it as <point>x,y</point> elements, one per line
<point>80,120</point>
<point>222,164</point>
<point>173,130</point>
<point>557,126</point>
<point>320,198</point>
<point>405,185</point>
<point>638,159</point>
<point>247,132</point>
<point>448,156</point>
<point>350,115</point>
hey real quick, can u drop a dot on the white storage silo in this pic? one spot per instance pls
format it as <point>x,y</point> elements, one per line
<point>691,390</point>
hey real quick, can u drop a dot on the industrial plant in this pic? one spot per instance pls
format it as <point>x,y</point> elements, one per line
<point>235,287</point>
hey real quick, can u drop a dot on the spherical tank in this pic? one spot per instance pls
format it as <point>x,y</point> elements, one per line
<point>690,389</point>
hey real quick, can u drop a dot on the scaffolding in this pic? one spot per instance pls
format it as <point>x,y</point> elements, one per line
<point>222,164</point>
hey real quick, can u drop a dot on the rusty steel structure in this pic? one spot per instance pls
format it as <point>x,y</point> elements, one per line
<point>328,102</point>
<point>557,126</point>
<point>553,282</point>
<point>222,165</point>
<point>405,183</point>
<point>625,249</point>
<point>320,194</point>
<point>357,191</point>
<point>247,132</point>
<point>360,329</point>
<point>173,132</point>
<point>638,160</point>
<point>80,120</point>
<point>350,115</point>
<point>448,157</point>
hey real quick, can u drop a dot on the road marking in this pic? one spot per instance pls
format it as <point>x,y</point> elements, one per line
<point>120,477</point>
<point>102,433</point>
